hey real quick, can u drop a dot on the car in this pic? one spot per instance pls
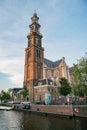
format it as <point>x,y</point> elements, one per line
<point>25,103</point>
<point>38,102</point>
<point>14,102</point>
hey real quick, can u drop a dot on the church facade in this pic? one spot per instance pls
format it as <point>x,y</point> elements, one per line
<point>41,75</point>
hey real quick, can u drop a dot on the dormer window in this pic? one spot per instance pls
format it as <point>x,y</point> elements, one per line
<point>39,83</point>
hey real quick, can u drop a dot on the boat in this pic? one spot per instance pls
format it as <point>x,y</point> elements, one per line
<point>7,108</point>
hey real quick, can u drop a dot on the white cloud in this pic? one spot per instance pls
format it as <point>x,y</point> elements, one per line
<point>14,68</point>
<point>12,61</point>
<point>12,44</point>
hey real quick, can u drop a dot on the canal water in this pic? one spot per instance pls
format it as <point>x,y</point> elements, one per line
<point>14,120</point>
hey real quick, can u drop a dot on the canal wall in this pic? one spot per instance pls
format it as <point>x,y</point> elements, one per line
<point>80,110</point>
<point>63,110</point>
<point>60,110</point>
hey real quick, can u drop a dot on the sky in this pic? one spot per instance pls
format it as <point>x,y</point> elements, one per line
<point>63,26</point>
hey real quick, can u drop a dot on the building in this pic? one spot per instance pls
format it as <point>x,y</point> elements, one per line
<point>56,70</point>
<point>16,94</point>
<point>40,74</point>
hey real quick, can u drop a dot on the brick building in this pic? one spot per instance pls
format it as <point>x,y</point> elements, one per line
<point>40,74</point>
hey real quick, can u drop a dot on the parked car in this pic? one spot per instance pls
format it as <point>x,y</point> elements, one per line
<point>14,102</point>
<point>38,102</point>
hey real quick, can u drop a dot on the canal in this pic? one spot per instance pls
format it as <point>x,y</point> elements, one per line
<point>14,120</point>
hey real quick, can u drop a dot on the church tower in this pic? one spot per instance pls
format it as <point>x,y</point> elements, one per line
<point>34,54</point>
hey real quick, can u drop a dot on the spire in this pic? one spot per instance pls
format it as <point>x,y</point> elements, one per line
<point>35,18</point>
<point>34,29</point>
<point>35,13</point>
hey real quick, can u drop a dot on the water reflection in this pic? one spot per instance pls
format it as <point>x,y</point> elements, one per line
<point>36,122</point>
<point>12,120</point>
<point>77,125</point>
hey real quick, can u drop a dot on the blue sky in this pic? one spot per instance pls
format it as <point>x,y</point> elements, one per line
<point>63,26</point>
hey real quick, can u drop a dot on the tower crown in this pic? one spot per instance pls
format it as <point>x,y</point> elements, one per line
<point>34,37</point>
<point>34,18</point>
<point>35,26</point>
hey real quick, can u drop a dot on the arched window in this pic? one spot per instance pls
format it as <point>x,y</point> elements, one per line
<point>49,74</point>
<point>56,74</point>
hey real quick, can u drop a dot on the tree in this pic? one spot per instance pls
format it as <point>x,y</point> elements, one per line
<point>77,80</point>
<point>25,92</point>
<point>5,95</point>
<point>80,77</point>
<point>83,68</point>
<point>64,88</point>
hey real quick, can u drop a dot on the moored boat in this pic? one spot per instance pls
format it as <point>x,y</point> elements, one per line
<point>6,108</point>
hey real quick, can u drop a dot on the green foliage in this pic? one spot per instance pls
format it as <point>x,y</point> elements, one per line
<point>5,95</point>
<point>25,92</point>
<point>80,77</point>
<point>65,88</point>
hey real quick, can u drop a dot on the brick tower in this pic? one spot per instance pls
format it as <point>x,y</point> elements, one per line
<point>34,54</point>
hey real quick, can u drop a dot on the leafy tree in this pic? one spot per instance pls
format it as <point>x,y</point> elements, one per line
<point>25,92</point>
<point>10,90</point>
<point>83,68</point>
<point>77,80</point>
<point>80,77</point>
<point>5,95</point>
<point>65,88</point>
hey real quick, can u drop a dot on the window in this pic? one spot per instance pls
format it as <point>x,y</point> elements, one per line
<point>37,53</point>
<point>39,83</point>
<point>49,74</point>
<point>55,74</point>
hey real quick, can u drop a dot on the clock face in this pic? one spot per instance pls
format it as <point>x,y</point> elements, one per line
<point>32,28</point>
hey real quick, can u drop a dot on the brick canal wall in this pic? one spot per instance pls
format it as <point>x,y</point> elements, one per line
<point>67,110</point>
<point>53,109</point>
<point>80,110</point>
<point>48,109</point>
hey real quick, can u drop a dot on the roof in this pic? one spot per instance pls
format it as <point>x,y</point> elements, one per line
<point>16,90</point>
<point>52,64</point>
<point>45,82</point>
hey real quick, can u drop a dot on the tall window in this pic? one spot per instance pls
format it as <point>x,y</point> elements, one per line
<point>49,74</point>
<point>56,74</point>
<point>37,53</point>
